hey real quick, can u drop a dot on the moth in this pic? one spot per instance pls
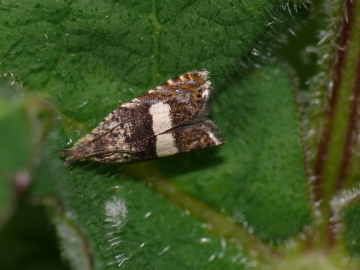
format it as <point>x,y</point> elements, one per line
<point>169,119</point>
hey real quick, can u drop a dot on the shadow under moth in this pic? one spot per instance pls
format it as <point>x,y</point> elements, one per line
<point>169,119</point>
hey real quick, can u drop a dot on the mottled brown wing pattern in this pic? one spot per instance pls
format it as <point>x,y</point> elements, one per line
<point>169,119</point>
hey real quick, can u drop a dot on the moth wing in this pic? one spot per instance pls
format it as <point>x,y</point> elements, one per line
<point>116,135</point>
<point>179,140</point>
<point>180,101</point>
<point>120,116</point>
<point>138,129</point>
<point>188,138</point>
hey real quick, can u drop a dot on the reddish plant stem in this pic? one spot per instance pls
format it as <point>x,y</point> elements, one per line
<point>338,65</point>
<point>325,186</point>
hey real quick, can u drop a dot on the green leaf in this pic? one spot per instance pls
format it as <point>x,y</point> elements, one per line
<point>15,137</point>
<point>28,240</point>
<point>15,148</point>
<point>234,206</point>
<point>127,222</point>
<point>333,126</point>
<point>75,51</point>
<point>23,124</point>
<point>257,176</point>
